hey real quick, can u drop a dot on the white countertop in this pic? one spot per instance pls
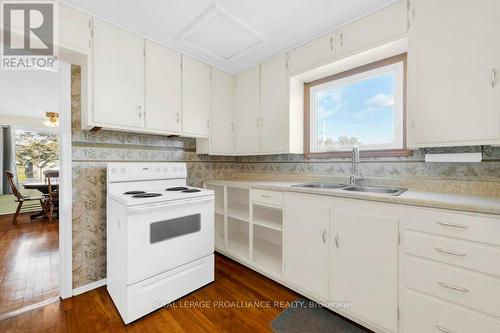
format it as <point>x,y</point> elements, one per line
<point>461,202</point>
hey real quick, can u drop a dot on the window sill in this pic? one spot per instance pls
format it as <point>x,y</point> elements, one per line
<point>365,153</point>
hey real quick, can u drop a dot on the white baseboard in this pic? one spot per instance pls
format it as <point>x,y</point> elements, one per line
<point>89,287</point>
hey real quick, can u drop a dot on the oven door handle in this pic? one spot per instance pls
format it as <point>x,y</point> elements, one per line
<point>176,203</point>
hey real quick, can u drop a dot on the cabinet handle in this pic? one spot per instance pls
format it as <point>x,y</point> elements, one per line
<point>331,43</point>
<point>454,253</point>
<point>341,39</point>
<point>139,111</point>
<point>265,196</point>
<point>261,121</point>
<point>208,123</point>
<point>493,77</point>
<point>442,329</point>
<point>257,122</point>
<point>449,286</point>
<point>337,241</point>
<point>324,236</point>
<point>178,117</point>
<point>453,225</point>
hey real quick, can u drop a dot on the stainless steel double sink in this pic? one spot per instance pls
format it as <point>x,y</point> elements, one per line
<point>394,191</point>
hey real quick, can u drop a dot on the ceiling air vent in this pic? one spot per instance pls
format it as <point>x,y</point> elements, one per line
<point>218,33</point>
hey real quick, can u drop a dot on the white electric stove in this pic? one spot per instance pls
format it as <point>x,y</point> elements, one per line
<point>160,237</point>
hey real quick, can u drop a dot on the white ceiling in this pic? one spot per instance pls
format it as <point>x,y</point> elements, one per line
<point>285,23</point>
<point>28,93</point>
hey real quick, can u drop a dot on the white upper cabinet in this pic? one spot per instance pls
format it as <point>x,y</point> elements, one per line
<point>118,77</point>
<point>384,25</point>
<point>454,73</point>
<point>163,88</point>
<point>307,243</point>
<point>222,114</point>
<point>316,52</point>
<point>248,111</point>
<point>364,266</point>
<point>273,125</point>
<point>74,29</point>
<point>196,92</point>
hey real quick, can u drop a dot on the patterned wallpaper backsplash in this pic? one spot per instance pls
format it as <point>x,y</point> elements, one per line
<point>392,168</point>
<point>92,150</point>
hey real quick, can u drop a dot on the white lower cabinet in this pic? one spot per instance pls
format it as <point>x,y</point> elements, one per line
<point>425,313</point>
<point>450,279</point>
<point>364,265</point>
<point>389,267</point>
<point>307,248</point>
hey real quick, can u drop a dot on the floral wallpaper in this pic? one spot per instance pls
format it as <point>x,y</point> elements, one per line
<point>92,150</point>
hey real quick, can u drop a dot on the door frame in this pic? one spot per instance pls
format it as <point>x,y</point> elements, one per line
<point>65,187</point>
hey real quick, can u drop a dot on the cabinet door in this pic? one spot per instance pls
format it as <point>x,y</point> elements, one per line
<point>195,97</point>
<point>222,114</point>
<point>74,28</point>
<point>163,88</point>
<point>311,54</point>
<point>453,57</point>
<point>369,31</point>
<point>248,111</point>
<point>273,130</point>
<point>306,243</point>
<point>118,61</point>
<point>365,264</point>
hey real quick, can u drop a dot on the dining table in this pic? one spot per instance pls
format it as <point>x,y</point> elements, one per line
<point>42,187</point>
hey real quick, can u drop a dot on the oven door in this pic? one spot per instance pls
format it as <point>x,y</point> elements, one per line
<point>163,236</point>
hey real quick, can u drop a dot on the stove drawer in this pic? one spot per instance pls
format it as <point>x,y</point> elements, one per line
<point>159,240</point>
<point>154,293</point>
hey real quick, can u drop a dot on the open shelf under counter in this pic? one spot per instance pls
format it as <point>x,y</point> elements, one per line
<point>239,211</point>
<point>238,244</point>
<point>267,217</point>
<point>268,255</point>
<point>268,224</point>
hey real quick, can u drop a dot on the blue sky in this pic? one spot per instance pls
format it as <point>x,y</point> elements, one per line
<point>362,109</point>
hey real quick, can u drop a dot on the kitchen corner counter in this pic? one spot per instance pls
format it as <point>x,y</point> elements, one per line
<point>459,202</point>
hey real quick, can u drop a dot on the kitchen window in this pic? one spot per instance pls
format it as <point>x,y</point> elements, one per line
<point>364,106</point>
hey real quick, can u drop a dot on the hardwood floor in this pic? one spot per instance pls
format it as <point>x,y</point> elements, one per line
<point>218,307</point>
<point>29,262</point>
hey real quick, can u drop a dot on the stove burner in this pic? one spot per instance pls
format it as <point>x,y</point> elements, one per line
<point>133,192</point>
<point>191,190</point>
<point>146,195</point>
<point>179,188</point>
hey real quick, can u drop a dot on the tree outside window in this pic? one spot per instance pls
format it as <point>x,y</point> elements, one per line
<point>36,152</point>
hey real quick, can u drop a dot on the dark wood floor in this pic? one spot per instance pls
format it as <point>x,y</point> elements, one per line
<point>94,311</point>
<point>29,260</point>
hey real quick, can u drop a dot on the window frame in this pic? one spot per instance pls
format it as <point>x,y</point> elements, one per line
<point>358,71</point>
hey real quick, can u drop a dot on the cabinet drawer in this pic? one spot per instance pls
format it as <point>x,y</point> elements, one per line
<point>482,258</point>
<point>423,313</point>
<point>267,197</point>
<point>466,288</point>
<point>474,228</point>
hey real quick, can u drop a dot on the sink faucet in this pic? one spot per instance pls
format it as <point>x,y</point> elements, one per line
<point>355,174</point>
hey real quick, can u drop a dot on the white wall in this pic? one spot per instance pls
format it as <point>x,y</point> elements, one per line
<point>28,93</point>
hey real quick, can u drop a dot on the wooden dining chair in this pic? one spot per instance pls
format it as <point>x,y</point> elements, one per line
<point>21,199</point>
<point>52,204</point>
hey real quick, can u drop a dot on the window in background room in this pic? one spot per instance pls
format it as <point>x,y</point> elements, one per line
<point>364,106</point>
<point>36,151</point>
